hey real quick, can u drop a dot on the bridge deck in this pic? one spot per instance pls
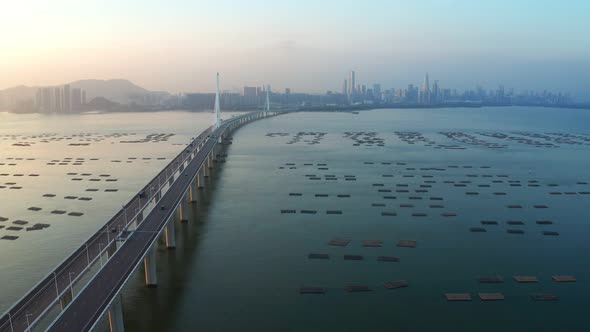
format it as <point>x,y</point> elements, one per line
<point>93,300</point>
<point>33,305</point>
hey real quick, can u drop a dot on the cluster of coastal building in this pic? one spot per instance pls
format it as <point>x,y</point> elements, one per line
<point>356,94</point>
<point>59,99</point>
<point>68,99</point>
<point>54,99</point>
<point>433,94</point>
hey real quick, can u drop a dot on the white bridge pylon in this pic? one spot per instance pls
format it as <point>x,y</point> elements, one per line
<point>267,98</point>
<point>217,109</point>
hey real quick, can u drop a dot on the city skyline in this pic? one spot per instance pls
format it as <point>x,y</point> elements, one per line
<point>350,86</point>
<point>123,95</point>
<point>393,43</point>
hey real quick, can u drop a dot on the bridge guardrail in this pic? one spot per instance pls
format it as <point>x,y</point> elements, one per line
<point>57,276</point>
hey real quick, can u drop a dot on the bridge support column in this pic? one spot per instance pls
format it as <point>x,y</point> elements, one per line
<point>206,168</point>
<point>170,233</point>
<point>149,264</point>
<point>181,215</point>
<point>116,315</point>
<point>200,179</point>
<point>209,166</point>
<point>191,191</point>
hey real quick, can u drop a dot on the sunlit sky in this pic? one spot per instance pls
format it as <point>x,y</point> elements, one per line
<point>307,45</point>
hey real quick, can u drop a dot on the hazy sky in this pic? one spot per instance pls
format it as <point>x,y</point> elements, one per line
<point>308,45</point>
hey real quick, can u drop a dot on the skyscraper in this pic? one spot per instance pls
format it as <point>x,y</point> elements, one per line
<point>377,92</point>
<point>435,96</point>
<point>217,106</point>
<point>351,89</point>
<point>412,94</point>
<point>425,93</point>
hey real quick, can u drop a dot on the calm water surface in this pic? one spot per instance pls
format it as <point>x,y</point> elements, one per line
<point>240,262</point>
<point>100,152</point>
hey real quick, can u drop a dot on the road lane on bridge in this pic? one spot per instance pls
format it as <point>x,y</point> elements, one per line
<point>43,296</point>
<point>87,308</point>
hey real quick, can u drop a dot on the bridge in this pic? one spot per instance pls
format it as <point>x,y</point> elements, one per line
<point>101,266</point>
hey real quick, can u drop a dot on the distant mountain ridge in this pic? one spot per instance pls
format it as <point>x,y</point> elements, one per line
<point>117,90</point>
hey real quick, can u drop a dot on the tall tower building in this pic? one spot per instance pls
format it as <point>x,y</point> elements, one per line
<point>435,92</point>
<point>217,106</point>
<point>425,90</point>
<point>426,84</point>
<point>377,91</point>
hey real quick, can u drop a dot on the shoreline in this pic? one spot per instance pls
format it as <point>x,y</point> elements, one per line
<point>324,108</point>
<point>330,108</point>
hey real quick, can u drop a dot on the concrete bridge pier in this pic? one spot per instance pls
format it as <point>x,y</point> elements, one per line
<point>205,167</point>
<point>215,153</point>
<point>181,214</point>
<point>116,315</point>
<point>149,264</point>
<point>209,158</point>
<point>200,178</point>
<point>192,195</point>
<point>170,234</point>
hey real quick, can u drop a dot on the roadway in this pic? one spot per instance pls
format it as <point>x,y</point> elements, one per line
<point>35,303</point>
<point>93,300</point>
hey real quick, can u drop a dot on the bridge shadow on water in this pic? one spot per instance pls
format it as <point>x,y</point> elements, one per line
<point>153,309</point>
